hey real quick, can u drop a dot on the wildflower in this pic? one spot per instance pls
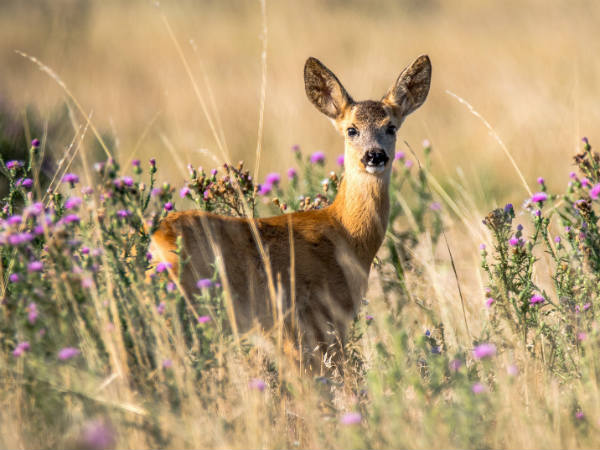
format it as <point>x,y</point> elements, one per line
<point>213,172</point>
<point>32,314</point>
<point>203,319</point>
<point>317,158</point>
<point>35,266</point>
<point>585,182</point>
<point>435,206</point>
<point>478,388</point>
<point>168,206</point>
<point>399,155</point>
<point>13,164</point>
<point>160,309</point>
<point>291,173</point>
<point>514,241</point>
<point>148,256</point>
<point>485,350</point>
<point>369,317</point>
<point>25,182</point>
<point>539,197</point>
<point>264,189</point>
<point>257,384</point>
<point>152,162</point>
<point>408,164</point>
<point>482,247</point>
<point>123,213</point>
<point>167,364</point>
<point>579,415</point>
<point>163,266</point>
<point>14,220</point>
<point>34,210</point>
<point>14,278</point>
<point>135,163</point>
<point>171,286</point>
<point>68,353</point>
<point>455,365</point>
<point>184,192</point>
<point>426,143</point>
<point>540,180</point>
<point>273,178</point>
<point>572,175</point>
<point>70,218</point>
<point>595,191</point>
<point>70,178</point>
<point>489,302</point>
<point>581,336</point>
<point>204,283</point>
<point>351,418</point>
<point>72,202</point>
<point>508,208</point>
<point>35,143</point>
<point>340,160</point>
<point>97,435</point>
<point>587,306</point>
<point>535,299</point>
<point>557,239</point>
<point>296,148</point>
<point>512,370</point>
<point>19,238</point>
<point>21,348</point>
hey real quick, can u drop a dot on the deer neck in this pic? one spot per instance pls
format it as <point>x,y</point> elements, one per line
<point>362,207</point>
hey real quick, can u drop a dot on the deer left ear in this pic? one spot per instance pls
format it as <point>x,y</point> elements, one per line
<point>411,88</point>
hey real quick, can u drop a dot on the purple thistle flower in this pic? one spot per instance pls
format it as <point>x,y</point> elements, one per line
<point>35,209</point>
<point>478,388</point>
<point>508,207</point>
<point>68,353</point>
<point>408,164</point>
<point>257,384</point>
<point>585,182</point>
<point>340,160</point>
<point>295,148</point>
<point>203,319</point>
<point>21,348</point>
<point>136,163</point>
<point>351,418</point>
<point>160,309</point>
<point>514,241</point>
<point>167,364</point>
<point>273,178</point>
<point>317,158</point>
<point>19,238</point>
<point>14,220</point>
<point>489,302</point>
<point>35,143</point>
<point>168,206</point>
<point>535,299</point>
<point>539,197</point>
<point>587,306</point>
<point>72,202</point>
<point>14,278</point>
<point>595,191</point>
<point>513,370</point>
<point>399,155</point>
<point>35,266</point>
<point>123,213</point>
<point>579,415</point>
<point>13,164</point>
<point>127,181</point>
<point>557,239</point>
<point>171,286</point>
<point>213,172</point>
<point>163,266</point>
<point>148,256</point>
<point>87,190</point>
<point>484,350</point>
<point>70,218</point>
<point>369,317</point>
<point>291,173</point>
<point>32,314</point>
<point>27,183</point>
<point>184,192</point>
<point>581,336</point>
<point>482,247</point>
<point>435,206</point>
<point>204,283</point>
<point>152,162</point>
<point>70,178</point>
<point>540,180</point>
<point>98,435</point>
<point>455,365</point>
<point>265,189</point>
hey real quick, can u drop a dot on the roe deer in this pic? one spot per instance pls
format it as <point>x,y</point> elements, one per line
<point>319,259</point>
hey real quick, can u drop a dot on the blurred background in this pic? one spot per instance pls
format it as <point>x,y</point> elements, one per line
<point>529,67</point>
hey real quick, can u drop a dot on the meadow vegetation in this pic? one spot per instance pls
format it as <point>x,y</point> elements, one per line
<point>479,327</point>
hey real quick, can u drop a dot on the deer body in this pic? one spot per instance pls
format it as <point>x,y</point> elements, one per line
<point>331,249</point>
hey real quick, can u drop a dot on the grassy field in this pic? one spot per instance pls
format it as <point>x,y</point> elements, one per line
<point>94,355</point>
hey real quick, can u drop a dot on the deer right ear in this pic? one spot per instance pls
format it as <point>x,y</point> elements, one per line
<point>324,90</point>
<point>411,88</point>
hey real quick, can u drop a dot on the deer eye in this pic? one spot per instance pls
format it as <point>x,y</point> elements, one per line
<point>352,132</point>
<point>391,129</point>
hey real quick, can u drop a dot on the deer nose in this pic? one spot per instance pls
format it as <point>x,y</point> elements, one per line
<point>376,157</point>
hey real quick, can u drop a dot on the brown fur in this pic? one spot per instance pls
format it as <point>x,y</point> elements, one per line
<point>333,248</point>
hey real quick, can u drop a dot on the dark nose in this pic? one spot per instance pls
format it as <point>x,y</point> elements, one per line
<point>375,157</point>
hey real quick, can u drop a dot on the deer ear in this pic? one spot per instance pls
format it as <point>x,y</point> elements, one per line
<point>411,88</point>
<point>324,90</point>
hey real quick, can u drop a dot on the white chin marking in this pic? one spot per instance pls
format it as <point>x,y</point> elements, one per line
<point>375,169</point>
